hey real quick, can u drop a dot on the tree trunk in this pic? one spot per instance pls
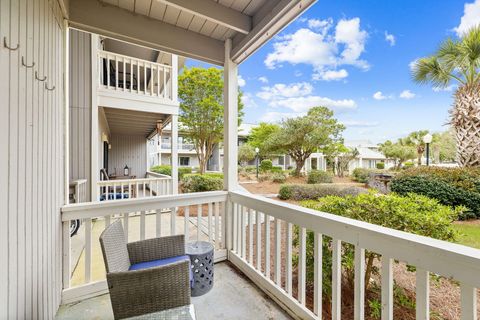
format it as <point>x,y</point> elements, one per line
<point>465,119</point>
<point>299,163</point>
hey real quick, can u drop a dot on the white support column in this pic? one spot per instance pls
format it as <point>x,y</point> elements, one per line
<point>95,173</point>
<point>66,101</point>
<point>230,116</point>
<point>174,151</point>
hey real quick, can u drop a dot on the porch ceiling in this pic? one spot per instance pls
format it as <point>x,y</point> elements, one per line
<point>121,121</point>
<point>195,29</point>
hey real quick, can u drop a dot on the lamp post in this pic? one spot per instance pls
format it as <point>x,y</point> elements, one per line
<point>256,158</point>
<point>427,139</point>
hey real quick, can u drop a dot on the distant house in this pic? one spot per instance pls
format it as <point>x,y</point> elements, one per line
<point>368,157</point>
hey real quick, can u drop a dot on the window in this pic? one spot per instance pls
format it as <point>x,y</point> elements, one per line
<point>184,161</point>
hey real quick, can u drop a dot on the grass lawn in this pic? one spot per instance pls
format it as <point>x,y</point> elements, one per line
<point>469,233</point>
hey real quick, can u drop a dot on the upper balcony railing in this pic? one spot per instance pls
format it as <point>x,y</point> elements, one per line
<point>120,73</point>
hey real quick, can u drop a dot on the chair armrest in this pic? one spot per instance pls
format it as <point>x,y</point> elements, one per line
<point>156,248</point>
<point>150,290</point>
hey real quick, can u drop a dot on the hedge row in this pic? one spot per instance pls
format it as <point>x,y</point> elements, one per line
<point>167,170</point>
<point>314,191</point>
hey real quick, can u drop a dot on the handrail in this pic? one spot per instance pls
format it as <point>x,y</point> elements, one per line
<point>130,181</point>
<point>445,258</point>
<point>157,175</point>
<point>103,53</point>
<point>105,208</point>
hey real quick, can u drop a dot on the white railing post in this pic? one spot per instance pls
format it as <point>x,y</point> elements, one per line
<point>422,294</point>
<point>468,302</point>
<point>387,288</point>
<point>66,254</point>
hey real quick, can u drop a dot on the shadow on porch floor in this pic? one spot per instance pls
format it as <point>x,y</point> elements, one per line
<point>232,297</point>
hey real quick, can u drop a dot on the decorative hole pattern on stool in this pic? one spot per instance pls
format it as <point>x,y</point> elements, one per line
<point>201,262</point>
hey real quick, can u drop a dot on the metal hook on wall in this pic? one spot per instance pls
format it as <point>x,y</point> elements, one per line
<point>27,66</point>
<point>7,46</point>
<point>36,77</point>
<point>49,89</point>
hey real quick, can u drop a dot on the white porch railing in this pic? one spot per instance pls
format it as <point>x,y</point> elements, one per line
<point>78,191</point>
<point>252,229</point>
<point>426,254</point>
<point>142,219</point>
<point>153,185</point>
<point>128,74</point>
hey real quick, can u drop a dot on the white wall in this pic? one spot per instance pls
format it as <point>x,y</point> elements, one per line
<point>128,150</point>
<point>80,102</point>
<point>32,182</point>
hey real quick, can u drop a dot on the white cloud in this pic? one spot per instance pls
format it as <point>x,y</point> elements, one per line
<point>407,94</point>
<point>281,90</point>
<point>241,81</point>
<point>273,116</point>
<point>412,63</point>
<point>321,47</point>
<point>263,79</point>
<point>331,75</point>
<point>470,18</point>
<point>447,89</point>
<point>390,38</point>
<point>248,101</point>
<point>298,97</point>
<point>360,124</point>
<point>379,96</point>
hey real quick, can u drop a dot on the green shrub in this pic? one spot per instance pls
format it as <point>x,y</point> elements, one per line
<point>361,175</point>
<point>314,191</point>
<point>182,171</point>
<point>250,169</point>
<point>446,193</point>
<point>412,213</point>
<point>201,183</point>
<point>380,165</point>
<point>264,177</point>
<point>318,176</point>
<point>408,164</point>
<point>266,165</point>
<point>276,169</point>
<point>279,177</point>
<point>162,169</point>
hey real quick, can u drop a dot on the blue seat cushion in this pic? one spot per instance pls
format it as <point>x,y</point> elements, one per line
<point>162,262</point>
<point>114,196</point>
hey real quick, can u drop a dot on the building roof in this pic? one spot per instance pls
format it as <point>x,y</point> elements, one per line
<point>367,153</point>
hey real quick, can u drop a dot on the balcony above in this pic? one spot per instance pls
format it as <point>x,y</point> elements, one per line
<point>131,83</point>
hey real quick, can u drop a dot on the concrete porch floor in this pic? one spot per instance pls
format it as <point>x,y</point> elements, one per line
<point>233,297</point>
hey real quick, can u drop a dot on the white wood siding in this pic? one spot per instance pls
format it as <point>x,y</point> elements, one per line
<point>80,106</point>
<point>31,159</point>
<point>128,150</point>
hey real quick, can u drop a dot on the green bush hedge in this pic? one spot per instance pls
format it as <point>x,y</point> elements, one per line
<point>412,213</point>
<point>318,176</point>
<point>446,193</point>
<point>167,170</point>
<point>266,165</point>
<point>314,191</point>
<point>201,183</point>
<point>361,175</point>
<point>380,165</point>
<point>279,177</point>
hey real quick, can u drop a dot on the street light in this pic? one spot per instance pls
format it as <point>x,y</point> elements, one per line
<point>256,158</point>
<point>427,139</point>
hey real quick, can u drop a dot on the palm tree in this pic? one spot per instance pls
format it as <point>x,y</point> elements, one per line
<point>458,60</point>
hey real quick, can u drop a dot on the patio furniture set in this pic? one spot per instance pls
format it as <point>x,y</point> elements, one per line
<point>155,278</point>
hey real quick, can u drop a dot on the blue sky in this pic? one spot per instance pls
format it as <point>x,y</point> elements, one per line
<point>354,56</point>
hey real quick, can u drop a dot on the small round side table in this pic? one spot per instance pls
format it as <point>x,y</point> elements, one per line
<point>201,262</point>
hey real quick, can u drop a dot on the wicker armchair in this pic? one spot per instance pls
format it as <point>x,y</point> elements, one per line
<point>145,276</point>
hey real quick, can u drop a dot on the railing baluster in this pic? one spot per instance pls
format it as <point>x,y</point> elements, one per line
<point>145,78</point>
<point>131,76</point>
<point>468,302</point>
<point>136,190</point>
<point>116,73</point>
<point>186,222</point>
<point>422,294</point>
<point>243,233</point>
<point>151,79</point>
<point>223,225</point>
<point>164,83</point>
<point>359,297</point>
<point>88,249</point>
<point>173,218</point>
<point>217,225</point>
<point>108,71</point>
<point>278,252</point>
<point>302,265</point>
<point>142,225</point>
<point>250,236</point>
<point>124,76</point>
<point>317,273</point>
<point>66,254</point>
<point>158,81</point>
<point>138,76</point>
<point>387,288</point>
<point>258,239</point>
<point>336,279</point>
<point>288,258</point>
<point>199,221</point>
<point>150,187</point>
<point>235,227</point>
<point>209,225</point>
<point>267,245</point>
